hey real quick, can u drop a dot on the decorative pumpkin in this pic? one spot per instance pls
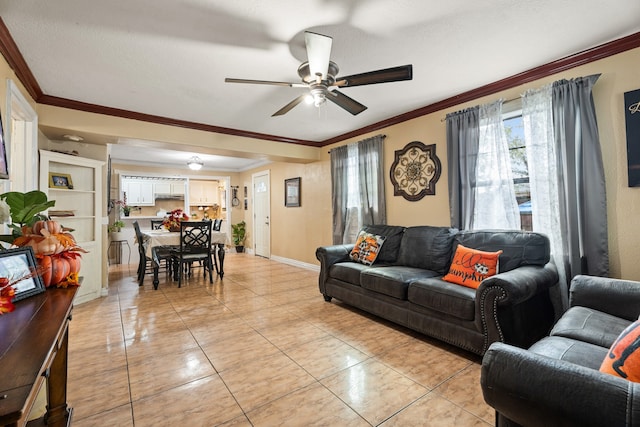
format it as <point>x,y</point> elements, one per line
<point>53,227</point>
<point>47,238</point>
<point>56,250</point>
<point>59,270</point>
<point>46,269</point>
<point>74,261</point>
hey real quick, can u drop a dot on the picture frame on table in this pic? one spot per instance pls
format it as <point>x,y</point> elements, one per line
<point>60,180</point>
<point>18,263</point>
<point>292,192</point>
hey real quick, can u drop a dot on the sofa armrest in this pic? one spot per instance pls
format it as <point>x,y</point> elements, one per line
<point>620,298</point>
<point>534,390</point>
<point>329,255</point>
<point>515,306</point>
<point>521,284</point>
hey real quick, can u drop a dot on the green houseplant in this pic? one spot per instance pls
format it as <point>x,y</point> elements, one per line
<point>115,229</point>
<point>24,209</point>
<point>238,233</point>
<point>116,226</point>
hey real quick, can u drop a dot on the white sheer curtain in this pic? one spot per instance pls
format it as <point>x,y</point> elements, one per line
<point>537,117</point>
<point>496,206</point>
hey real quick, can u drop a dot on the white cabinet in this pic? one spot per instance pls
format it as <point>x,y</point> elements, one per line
<point>177,188</point>
<point>85,203</point>
<point>171,188</point>
<point>162,187</point>
<point>139,192</point>
<point>203,193</point>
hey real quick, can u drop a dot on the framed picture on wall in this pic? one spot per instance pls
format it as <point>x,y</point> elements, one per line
<point>632,122</point>
<point>292,192</point>
<point>4,166</point>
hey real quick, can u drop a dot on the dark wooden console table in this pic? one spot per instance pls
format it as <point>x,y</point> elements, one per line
<point>33,349</point>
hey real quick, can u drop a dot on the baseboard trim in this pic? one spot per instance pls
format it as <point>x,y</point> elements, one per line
<point>296,263</point>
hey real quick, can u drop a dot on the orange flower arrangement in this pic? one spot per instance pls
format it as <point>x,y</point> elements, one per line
<point>8,291</point>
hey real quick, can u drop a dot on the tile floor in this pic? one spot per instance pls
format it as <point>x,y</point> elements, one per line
<point>259,348</point>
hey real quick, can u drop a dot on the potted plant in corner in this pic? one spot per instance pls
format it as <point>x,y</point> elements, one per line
<point>238,234</point>
<point>115,230</point>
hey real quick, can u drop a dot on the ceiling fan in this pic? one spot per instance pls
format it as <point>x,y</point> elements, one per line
<point>318,74</point>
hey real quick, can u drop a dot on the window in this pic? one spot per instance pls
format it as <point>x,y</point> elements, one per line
<point>514,129</point>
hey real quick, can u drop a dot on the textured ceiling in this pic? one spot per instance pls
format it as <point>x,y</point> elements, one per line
<point>169,58</point>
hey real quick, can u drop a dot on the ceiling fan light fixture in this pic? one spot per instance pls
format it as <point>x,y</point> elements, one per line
<point>319,94</point>
<point>195,163</point>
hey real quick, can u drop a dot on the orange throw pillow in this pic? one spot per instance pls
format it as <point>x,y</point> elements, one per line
<point>367,248</point>
<point>623,358</point>
<point>471,266</point>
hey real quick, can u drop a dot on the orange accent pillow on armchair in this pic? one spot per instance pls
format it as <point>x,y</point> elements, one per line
<point>623,358</point>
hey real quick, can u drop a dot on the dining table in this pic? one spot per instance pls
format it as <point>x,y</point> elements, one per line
<point>162,238</point>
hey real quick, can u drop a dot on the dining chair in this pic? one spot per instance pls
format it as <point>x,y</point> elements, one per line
<point>217,224</point>
<point>195,246</point>
<point>156,224</point>
<point>145,265</point>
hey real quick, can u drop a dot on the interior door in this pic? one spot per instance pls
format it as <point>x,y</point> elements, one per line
<point>261,220</point>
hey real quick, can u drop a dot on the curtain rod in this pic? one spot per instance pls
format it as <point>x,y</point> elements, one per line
<point>504,102</point>
<point>381,135</point>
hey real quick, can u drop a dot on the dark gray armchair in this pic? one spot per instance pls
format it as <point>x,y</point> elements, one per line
<point>557,382</point>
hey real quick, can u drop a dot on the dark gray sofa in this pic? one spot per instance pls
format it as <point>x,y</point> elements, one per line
<point>557,382</point>
<point>405,285</point>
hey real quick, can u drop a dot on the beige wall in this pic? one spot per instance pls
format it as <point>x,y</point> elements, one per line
<point>297,232</point>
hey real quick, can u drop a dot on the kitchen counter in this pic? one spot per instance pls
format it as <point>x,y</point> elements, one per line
<point>135,217</point>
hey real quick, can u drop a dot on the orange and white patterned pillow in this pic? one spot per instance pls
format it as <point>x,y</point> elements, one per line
<point>471,266</point>
<point>367,248</point>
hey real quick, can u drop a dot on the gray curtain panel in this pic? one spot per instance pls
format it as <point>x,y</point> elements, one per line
<point>367,157</point>
<point>372,198</point>
<point>583,203</point>
<point>463,138</point>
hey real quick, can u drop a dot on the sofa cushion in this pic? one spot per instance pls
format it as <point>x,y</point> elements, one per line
<point>518,247</point>
<point>392,235</point>
<point>444,297</point>
<point>589,325</point>
<point>366,249</point>
<point>347,271</point>
<point>470,267</point>
<point>623,358</point>
<point>570,350</point>
<point>426,247</point>
<point>392,280</point>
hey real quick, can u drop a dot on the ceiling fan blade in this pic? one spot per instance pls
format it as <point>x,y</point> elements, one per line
<point>318,53</point>
<point>265,82</point>
<point>395,74</point>
<point>349,104</point>
<point>289,106</point>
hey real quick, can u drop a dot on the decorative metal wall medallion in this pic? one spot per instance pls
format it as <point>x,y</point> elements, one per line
<point>415,171</point>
